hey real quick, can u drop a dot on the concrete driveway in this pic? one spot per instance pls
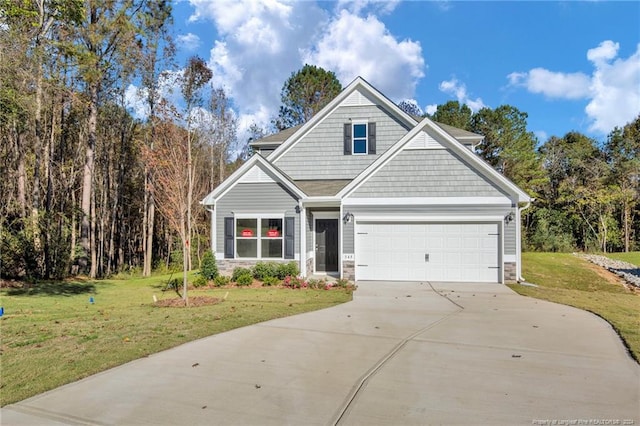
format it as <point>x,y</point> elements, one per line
<point>400,353</point>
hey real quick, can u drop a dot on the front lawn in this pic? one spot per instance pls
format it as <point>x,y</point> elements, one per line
<point>51,334</point>
<point>632,257</point>
<point>570,280</point>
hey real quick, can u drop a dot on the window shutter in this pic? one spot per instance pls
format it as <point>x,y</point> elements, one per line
<point>347,138</point>
<point>289,237</point>
<point>372,138</point>
<point>228,238</point>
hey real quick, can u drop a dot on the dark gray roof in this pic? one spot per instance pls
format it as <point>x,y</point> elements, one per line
<point>458,133</point>
<point>276,138</point>
<point>319,188</point>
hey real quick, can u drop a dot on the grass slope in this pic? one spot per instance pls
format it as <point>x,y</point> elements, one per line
<point>632,257</point>
<point>51,334</point>
<point>567,279</point>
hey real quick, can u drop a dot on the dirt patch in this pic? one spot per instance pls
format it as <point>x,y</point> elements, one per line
<point>195,301</point>
<point>609,276</point>
<point>12,284</point>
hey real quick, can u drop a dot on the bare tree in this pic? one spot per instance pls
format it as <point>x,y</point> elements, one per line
<point>195,76</point>
<point>167,162</point>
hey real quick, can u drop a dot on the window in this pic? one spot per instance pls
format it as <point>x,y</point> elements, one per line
<point>359,138</point>
<point>259,238</point>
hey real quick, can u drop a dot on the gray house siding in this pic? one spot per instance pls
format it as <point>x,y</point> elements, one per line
<point>259,198</point>
<point>510,236</point>
<point>347,238</point>
<point>427,173</point>
<point>320,154</point>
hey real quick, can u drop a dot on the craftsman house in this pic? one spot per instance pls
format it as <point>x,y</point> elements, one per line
<point>365,191</point>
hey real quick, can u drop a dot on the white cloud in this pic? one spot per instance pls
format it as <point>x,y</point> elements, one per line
<point>553,84</point>
<point>602,54</point>
<point>354,46</point>
<point>459,90</point>
<point>135,100</point>
<point>261,42</point>
<point>358,7</point>
<point>613,89</point>
<point>259,46</point>
<point>189,41</point>
<point>431,109</point>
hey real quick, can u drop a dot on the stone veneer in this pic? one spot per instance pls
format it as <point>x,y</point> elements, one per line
<point>349,270</point>
<point>510,273</point>
<point>310,266</point>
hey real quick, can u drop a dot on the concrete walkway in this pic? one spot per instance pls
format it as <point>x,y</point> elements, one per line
<point>400,353</point>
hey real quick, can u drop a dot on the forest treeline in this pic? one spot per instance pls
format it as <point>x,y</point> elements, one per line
<point>89,189</point>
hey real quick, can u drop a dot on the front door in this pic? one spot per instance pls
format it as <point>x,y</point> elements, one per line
<point>326,245</point>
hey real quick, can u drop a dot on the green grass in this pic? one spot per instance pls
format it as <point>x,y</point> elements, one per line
<point>51,335</point>
<point>632,257</point>
<point>570,280</point>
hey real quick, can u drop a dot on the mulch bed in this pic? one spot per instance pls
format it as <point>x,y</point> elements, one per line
<point>178,302</point>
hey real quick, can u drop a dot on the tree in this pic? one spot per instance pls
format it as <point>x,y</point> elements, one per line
<point>454,114</point>
<point>218,130</point>
<point>195,76</point>
<point>305,93</point>
<point>156,23</point>
<point>508,146</point>
<point>170,179</point>
<point>577,185</point>
<point>107,46</point>
<point>411,107</point>
<point>622,151</point>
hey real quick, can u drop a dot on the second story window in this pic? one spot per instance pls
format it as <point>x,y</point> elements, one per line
<point>359,139</point>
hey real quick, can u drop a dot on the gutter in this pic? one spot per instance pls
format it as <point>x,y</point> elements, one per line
<point>520,278</point>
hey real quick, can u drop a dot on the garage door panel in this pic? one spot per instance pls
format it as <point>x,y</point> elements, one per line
<point>456,252</point>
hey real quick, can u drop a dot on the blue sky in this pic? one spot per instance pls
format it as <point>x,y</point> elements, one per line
<point>570,65</point>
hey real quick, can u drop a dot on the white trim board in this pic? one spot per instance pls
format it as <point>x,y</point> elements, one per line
<point>427,219</point>
<point>326,215</point>
<point>442,201</point>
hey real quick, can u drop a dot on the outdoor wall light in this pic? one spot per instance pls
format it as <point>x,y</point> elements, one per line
<point>348,217</point>
<point>509,218</point>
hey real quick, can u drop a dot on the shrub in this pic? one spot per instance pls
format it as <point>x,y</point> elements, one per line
<point>200,280</point>
<point>245,279</point>
<point>317,284</point>
<point>294,282</point>
<point>287,269</point>
<point>263,270</point>
<point>209,267</point>
<point>270,281</point>
<point>342,283</point>
<point>221,280</point>
<point>240,271</point>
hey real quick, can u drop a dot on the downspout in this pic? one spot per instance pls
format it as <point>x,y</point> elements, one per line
<point>212,232</point>
<point>303,238</point>
<point>520,278</point>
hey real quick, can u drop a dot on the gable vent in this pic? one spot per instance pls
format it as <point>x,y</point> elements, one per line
<point>423,141</point>
<point>255,175</point>
<point>357,98</point>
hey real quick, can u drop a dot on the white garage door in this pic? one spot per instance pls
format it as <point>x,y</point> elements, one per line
<point>427,252</point>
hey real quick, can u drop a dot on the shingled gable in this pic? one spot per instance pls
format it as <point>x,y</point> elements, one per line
<point>359,84</point>
<point>449,142</point>
<point>254,161</point>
